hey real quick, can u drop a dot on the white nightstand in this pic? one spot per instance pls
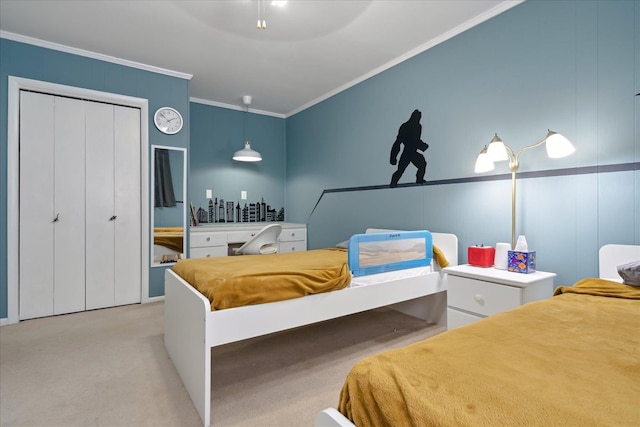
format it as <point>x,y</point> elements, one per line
<point>476,292</point>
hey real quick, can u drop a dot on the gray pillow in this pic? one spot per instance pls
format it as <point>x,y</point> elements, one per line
<point>630,273</point>
<point>343,245</point>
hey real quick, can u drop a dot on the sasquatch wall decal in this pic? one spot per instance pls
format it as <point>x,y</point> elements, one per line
<point>409,135</point>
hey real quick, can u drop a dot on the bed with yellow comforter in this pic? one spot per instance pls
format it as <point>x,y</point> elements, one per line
<point>237,281</point>
<point>570,360</point>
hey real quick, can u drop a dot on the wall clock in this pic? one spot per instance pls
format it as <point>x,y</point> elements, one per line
<point>168,120</point>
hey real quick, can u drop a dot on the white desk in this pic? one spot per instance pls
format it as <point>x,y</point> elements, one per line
<point>213,240</point>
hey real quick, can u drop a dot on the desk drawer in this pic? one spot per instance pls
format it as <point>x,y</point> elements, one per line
<point>213,251</point>
<point>199,240</point>
<point>480,297</point>
<point>293,234</point>
<point>241,236</point>
<point>284,247</point>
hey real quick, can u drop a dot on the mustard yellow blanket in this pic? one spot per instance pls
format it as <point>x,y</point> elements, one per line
<point>570,360</point>
<point>236,281</point>
<point>169,237</point>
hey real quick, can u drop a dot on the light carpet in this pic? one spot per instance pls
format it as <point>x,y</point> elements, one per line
<point>109,368</point>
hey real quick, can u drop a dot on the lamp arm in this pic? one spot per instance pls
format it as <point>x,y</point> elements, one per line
<point>513,167</point>
<point>513,158</point>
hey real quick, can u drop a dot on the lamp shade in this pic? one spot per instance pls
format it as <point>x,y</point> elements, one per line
<point>496,150</point>
<point>247,154</point>
<point>558,146</point>
<point>484,163</point>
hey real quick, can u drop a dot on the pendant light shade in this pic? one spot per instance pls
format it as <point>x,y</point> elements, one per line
<point>247,154</point>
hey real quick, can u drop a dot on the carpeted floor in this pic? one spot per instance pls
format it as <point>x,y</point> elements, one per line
<point>109,368</point>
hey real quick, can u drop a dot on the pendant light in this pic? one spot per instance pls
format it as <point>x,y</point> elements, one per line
<point>247,154</point>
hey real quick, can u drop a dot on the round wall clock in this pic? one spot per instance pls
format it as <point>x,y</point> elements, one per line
<point>168,120</point>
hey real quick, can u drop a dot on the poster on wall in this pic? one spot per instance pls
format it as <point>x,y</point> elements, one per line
<point>409,136</point>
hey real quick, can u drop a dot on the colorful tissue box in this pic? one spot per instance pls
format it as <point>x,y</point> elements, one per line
<point>522,262</point>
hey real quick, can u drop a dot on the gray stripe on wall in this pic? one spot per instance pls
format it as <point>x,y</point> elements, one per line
<point>584,170</point>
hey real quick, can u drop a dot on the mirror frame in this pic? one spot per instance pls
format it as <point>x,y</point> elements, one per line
<point>184,203</point>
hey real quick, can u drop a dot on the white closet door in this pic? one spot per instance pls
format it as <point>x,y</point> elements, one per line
<point>69,202</point>
<point>80,198</point>
<point>128,228</point>
<point>100,194</point>
<point>36,205</point>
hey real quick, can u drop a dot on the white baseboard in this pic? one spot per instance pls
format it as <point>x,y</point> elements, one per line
<point>4,321</point>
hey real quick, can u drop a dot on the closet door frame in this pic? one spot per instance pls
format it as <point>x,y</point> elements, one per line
<point>15,85</point>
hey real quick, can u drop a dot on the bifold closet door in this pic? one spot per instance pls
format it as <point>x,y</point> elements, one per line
<point>52,274</point>
<point>69,201</point>
<point>80,198</point>
<point>128,195</point>
<point>113,241</point>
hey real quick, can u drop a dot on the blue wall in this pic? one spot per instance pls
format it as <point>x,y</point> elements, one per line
<point>216,133</point>
<point>569,66</point>
<point>32,62</point>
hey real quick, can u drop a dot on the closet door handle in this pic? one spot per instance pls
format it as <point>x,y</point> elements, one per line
<point>56,219</point>
<point>113,218</point>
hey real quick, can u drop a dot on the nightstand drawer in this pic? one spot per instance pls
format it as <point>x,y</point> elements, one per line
<point>481,297</point>
<point>457,318</point>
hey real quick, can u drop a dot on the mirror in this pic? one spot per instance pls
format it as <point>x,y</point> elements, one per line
<point>168,218</point>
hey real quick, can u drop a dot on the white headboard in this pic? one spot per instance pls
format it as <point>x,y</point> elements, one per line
<point>448,243</point>
<point>611,256</point>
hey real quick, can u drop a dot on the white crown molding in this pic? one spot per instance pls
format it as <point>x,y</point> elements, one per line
<point>502,7</point>
<point>236,107</point>
<point>62,48</point>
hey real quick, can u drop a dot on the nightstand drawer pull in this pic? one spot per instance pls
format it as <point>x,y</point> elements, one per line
<point>478,297</point>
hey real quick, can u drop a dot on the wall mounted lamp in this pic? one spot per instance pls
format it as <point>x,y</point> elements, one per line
<point>557,146</point>
<point>246,154</point>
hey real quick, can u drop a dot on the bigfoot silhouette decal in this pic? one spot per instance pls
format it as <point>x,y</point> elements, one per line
<point>409,135</point>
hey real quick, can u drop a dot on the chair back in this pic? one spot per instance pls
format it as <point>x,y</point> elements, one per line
<point>264,242</point>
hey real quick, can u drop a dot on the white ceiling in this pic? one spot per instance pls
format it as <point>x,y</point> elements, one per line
<point>309,51</point>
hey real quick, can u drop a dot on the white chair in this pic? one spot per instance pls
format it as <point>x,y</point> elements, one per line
<point>264,242</point>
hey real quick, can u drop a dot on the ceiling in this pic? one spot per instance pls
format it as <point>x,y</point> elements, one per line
<point>309,51</point>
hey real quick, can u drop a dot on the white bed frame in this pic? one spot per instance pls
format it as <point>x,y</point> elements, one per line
<point>192,329</point>
<point>610,256</point>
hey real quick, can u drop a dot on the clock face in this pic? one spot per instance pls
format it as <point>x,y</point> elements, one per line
<point>168,120</point>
